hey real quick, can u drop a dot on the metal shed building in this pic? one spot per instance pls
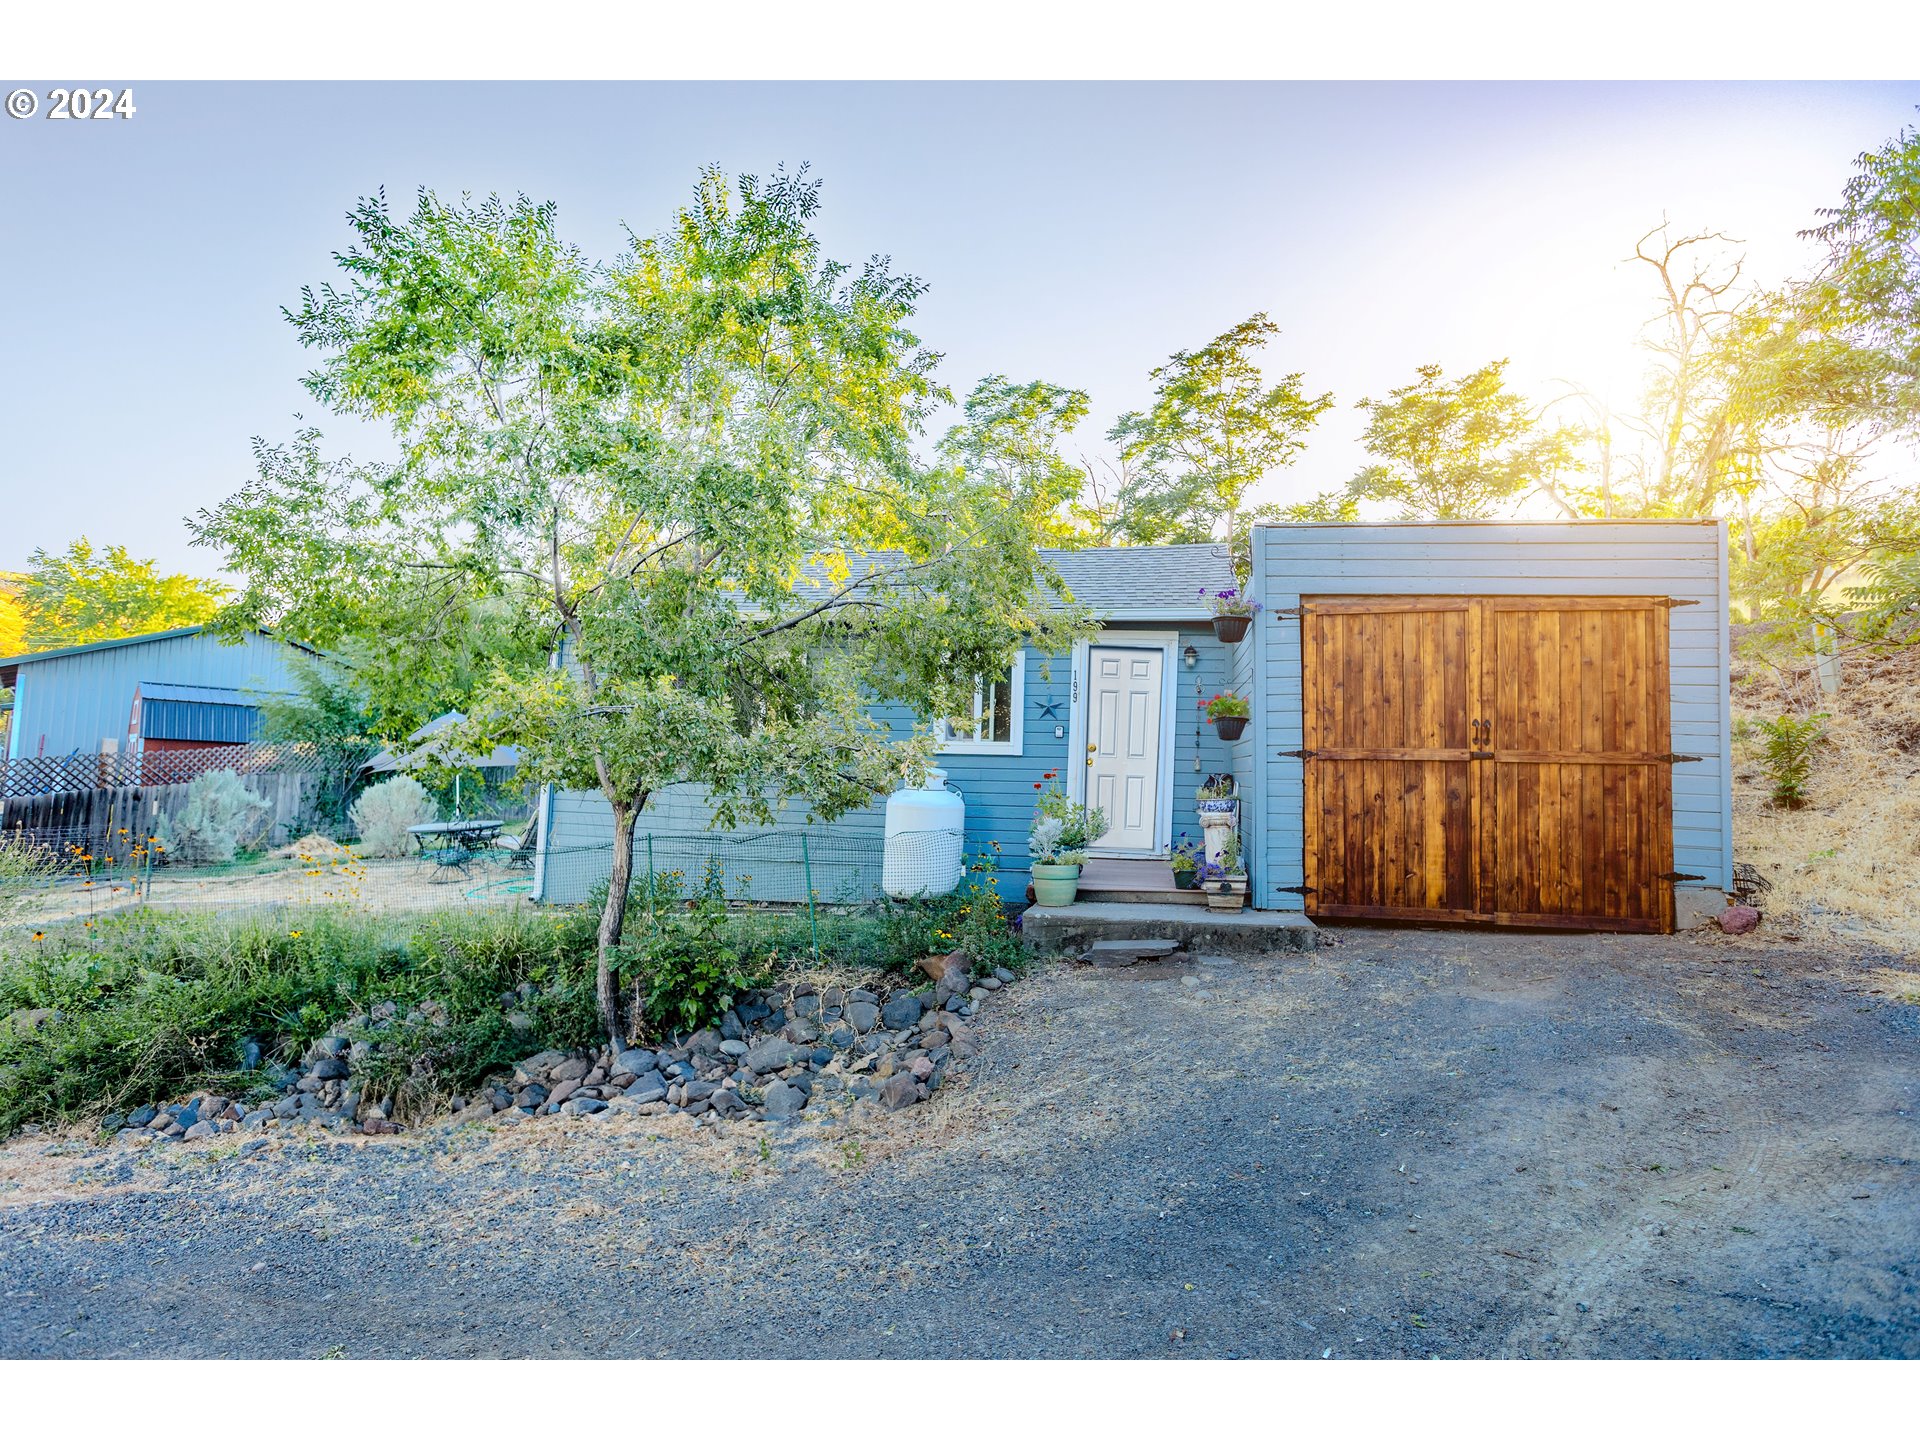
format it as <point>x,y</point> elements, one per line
<point>194,685</point>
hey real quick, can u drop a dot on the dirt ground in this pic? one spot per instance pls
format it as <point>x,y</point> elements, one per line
<point>1411,1143</point>
<point>382,886</point>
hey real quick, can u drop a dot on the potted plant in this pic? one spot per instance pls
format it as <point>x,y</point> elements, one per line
<point>1058,839</point>
<point>1233,612</point>
<point>1227,713</point>
<point>1226,882</point>
<point>1185,863</point>
<point>1216,796</point>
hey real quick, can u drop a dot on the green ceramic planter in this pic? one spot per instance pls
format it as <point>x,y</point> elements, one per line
<point>1055,884</point>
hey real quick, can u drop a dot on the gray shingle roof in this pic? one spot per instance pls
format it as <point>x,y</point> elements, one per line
<point>1146,582</point>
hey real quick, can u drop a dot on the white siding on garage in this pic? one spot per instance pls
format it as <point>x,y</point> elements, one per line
<point>1684,560</point>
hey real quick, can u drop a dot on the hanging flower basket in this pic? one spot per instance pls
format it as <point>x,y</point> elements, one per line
<point>1230,727</point>
<point>1227,713</point>
<point>1233,612</point>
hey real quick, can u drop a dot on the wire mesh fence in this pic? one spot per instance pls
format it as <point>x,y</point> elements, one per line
<point>55,878</point>
<point>793,865</point>
<point>51,877</point>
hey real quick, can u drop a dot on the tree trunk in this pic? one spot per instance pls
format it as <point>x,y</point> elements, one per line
<point>613,918</point>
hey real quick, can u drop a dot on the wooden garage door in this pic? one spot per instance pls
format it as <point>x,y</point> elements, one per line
<point>1488,758</point>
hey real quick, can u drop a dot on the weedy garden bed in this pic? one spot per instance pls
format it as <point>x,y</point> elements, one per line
<point>368,1021</point>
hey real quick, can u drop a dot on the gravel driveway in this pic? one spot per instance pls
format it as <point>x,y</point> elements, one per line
<point>1411,1143</point>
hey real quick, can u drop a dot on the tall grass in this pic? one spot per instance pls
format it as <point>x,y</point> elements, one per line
<point>143,1006</point>
<point>152,1003</point>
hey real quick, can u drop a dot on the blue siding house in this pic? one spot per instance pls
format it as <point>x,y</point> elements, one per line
<point>175,688</point>
<point>1421,637</point>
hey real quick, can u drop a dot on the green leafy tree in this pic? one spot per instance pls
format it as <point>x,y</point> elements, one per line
<point>691,468</point>
<point>1872,237</point>
<point>84,594</point>
<point>1457,450</point>
<point>327,711</point>
<point>1010,433</point>
<point>13,623</point>
<point>1216,427</point>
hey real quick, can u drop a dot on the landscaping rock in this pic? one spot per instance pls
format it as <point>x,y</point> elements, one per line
<point>735,1047</point>
<point>783,1101</point>
<point>938,967</point>
<point>901,1011</point>
<point>635,1062</point>
<point>1739,920</point>
<point>899,1092</point>
<point>585,1105</point>
<point>537,1067</point>
<point>863,1015</point>
<point>727,1102</point>
<point>770,1053</point>
<point>199,1130</point>
<point>327,1047</point>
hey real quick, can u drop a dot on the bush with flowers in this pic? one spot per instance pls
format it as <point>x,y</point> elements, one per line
<point>1227,706</point>
<point>1062,827</point>
<point>1230,602</point>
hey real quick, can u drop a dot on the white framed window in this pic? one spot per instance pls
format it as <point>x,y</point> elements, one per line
<point>994,725</point>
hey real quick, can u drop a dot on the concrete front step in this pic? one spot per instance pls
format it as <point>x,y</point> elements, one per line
<point>1085,896</point>
<point>1075,929</point>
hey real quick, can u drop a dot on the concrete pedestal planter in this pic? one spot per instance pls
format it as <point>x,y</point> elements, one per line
<point>1229,893</point>
<point>1055,884</point>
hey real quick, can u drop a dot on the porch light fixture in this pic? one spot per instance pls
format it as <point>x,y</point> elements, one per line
<point>1190,657</point>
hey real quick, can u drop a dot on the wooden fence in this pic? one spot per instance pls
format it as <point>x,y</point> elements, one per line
<point>112,823</point>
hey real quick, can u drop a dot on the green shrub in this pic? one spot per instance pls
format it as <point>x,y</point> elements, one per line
<point>221,817</point>
<point>153,1003</point>
<point>1786,755</point>
<point>384,813</point>
<point>972,919</point>
<point>689,967</point>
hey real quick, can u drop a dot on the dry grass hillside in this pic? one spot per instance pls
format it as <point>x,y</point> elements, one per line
<point>1847,866</point>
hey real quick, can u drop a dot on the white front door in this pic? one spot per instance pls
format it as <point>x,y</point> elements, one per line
<point>1123,731</point>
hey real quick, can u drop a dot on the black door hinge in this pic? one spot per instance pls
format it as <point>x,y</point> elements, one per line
<point>1292,610</point>
<point>1671,603</point>
<point>1296,754</point>
<point>1671,759</point>
<point>1296,890</point>
<point>1680,875</point>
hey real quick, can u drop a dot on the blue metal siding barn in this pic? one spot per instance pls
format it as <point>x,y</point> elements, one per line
<point>68,702</point>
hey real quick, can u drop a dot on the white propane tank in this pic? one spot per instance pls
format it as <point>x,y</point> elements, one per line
<point>926,829</point>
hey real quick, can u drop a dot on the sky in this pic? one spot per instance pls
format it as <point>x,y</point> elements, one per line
<point>1077,233</point>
